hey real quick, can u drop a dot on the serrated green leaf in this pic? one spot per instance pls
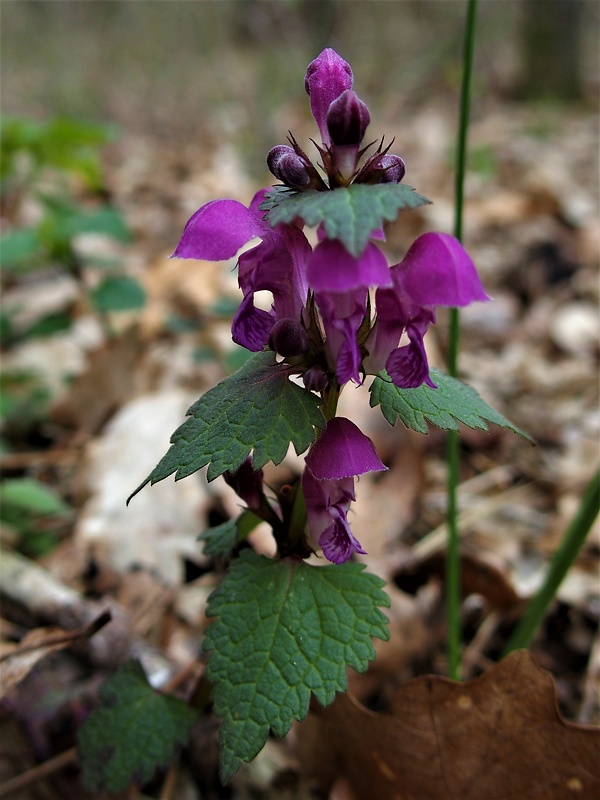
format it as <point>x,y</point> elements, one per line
<point>451,403</point>
<point>133,732</point>
<point>285,630</point>
<point>220,540</point>
<point>349,214</point>
<point>256,409</point>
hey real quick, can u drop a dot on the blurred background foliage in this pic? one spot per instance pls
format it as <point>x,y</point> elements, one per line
<point>191,69</point>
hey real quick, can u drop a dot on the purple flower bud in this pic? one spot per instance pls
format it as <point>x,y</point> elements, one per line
<point>288,166</point>
<point>288,338</point>
<point>347,119</point>
<point>326,78</point>
<point>392,167</point>
<point>247,482</point>
<point>315,379</point>
<point>382,168</point>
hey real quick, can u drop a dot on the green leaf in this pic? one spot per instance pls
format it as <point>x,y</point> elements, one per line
<point>118,293</point>
<point>31,496</point>
<point>65,144</point>
<point>349,214</point>
<point>63,221</point>
<point>53,323</point>
<point>256,409</point>
<point>133,732</point>
<point>220,540</point>
<point>448,405</point>
<point>285,630</point>
<point>105,220</point>
<point>21,250</point>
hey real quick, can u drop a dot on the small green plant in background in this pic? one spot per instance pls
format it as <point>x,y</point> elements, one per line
<point>54,193</point>
<point>33,513</point>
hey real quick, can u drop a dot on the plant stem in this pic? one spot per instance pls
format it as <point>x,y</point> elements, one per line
<point>562,560</point>
<point>298,516</point>
<point>330,401</point>
<point>453,595</point>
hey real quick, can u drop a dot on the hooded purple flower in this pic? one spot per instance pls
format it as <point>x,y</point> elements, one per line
<point>342,315</point>
<point>247,483</point>
<point>277,264</point>
<point>436,271</point>
<point>341,453</point>
<point>327,77</point>
<point>341,282</point>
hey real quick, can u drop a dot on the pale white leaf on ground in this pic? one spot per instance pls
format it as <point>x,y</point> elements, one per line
<point>160,526</point>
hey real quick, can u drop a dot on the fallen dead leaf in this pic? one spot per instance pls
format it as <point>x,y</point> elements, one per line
<point>104,386</point>
<point>17,661</point>
<point>498,736</point>
<point>159,529</point>
<point>478,576</point>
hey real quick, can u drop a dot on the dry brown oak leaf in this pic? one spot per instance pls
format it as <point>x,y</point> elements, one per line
<point>496,737</point>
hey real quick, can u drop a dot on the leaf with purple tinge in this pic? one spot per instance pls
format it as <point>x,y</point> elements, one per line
<point>349,214</point>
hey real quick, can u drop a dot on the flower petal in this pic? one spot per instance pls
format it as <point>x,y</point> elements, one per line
<point>342,451</point>
<point>385,334</point>
<point>331,268</point>
<point>326,78</point>
<point>437,270</point>
<point>338,543</point>
<point>408,366</point>
<point>278,265</point>
<point>251,326</point>
<point>342,315</point>
<point>218,230</point>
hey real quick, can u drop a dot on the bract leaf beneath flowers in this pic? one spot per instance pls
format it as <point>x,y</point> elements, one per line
<point>453,402</point>
<point>349,214</point>
<point>257,409</point>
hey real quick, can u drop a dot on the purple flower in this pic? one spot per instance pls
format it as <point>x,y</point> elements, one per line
<point>341,453</point>
<point>342,314</point>
<point>277,264</point>
<point>341,282</point>
<point>436,271</point>
<point>217,231</point>
<point>247,483</point>
<point>331,268</point>
<point>326,78</point>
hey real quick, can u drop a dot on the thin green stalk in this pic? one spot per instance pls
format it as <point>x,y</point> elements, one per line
<point>298,517</point>
<point>562,560</point>
<point>452,451</point>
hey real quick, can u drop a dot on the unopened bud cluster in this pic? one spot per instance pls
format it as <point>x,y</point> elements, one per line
<point>343,119</point>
